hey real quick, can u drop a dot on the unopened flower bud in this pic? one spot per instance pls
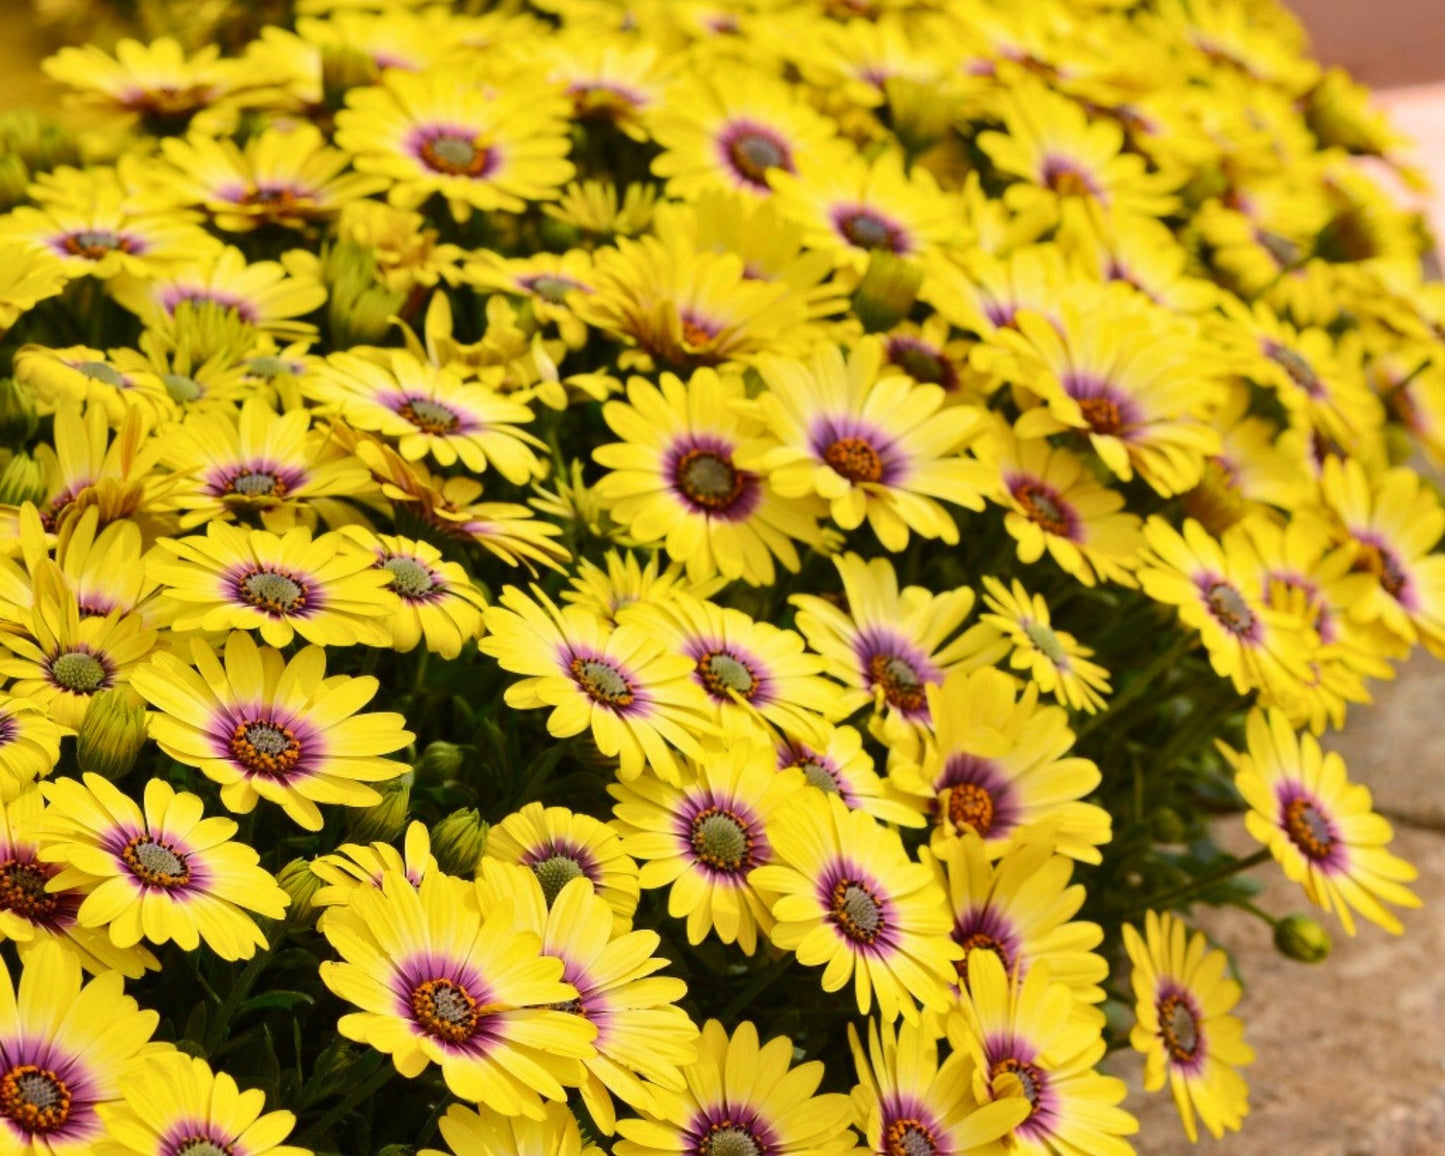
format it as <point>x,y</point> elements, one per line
<point>458,842</point>
<point>14,180</point>
<point>112,733</point>
<point>344,67</point>
<point>1166,825</point>
<point>1301,938</point>
<point>301,884</point>
<point>382,822</point>
<point>22,480</point>
<point>17,414</point>
<point>359,308</point>
<point>440,762</point>
<point>887,292</point>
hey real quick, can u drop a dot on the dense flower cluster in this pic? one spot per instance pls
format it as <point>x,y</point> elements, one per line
<point>567,565</point>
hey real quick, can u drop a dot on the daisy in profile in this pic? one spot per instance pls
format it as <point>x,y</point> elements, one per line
<point>440,604</point>
<point>703,836</point>
<point>438,980</point>
<point>1021,907</point>
<point>1055,661</point>
<point>1395,520</point>
<point>889,645</point>
<point>549,282</point>
<point>80,376</point>
<point>326,589</point>
<point>559,845</point>
<point>103,568</point>
<point>907,1102</point>
<point>27,275</point>
<point>283,176</point>
<point>1056,152</point>
<point>674,479</point>
<point>1319,825</point>
<point>29,744</point>
<point>1211,582</point>
<point>643,1038</point>
<point>480,147</point>
<point>97,228</point>
<point>749,671</point>
<point>837,764</point>
<point>848,896</point>
<point>265,728</point>
<point>875,445</point>
<point>276,467</point>
<point>849,207</point>
<point>33,913</point>
<point>626,580</point>
<point>65,1048</point>
<point>178,1095</point>
<point>638,701</point>
<point>487,1130</point>
<point>1183,1024</point>
<point>354,865</point>
<point>743,1100</point>
<point>60,660</point>
<point>1132,377</point>
<point>729,128</point>
<point>160,874</point>
<point>999,766</point>
<point>1053,503</point>
<point>427,410</point>
<point>1025,1039</point>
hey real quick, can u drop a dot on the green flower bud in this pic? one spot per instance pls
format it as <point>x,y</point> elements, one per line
<point>22,480</point>
<point>382,822</point>
<point>458,841</point>
<point>301,884</point>
<point>344,67</point>
<point>1301,938</point>
<point>396,1150</point>
<point>1166,825</point>
<point>112,733</point>
<point>17,414</point>
<point>35,143</point>
<point>887,292</point>
<point>440,762</point>
<point>359,308</point>
<point>14,180</point>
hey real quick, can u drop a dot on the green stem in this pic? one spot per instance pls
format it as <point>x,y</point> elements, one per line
<point>216,1033</point>
<point>760,983</point>
<point>1199,883</point>
<point>379,1075</point>
<point>1140,684</point>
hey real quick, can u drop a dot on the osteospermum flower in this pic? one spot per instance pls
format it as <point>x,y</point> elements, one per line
<point>1022,909</point>
<point>27,276</point>
<point>353,865</point>
<point>283,176</point>
<point>487,1130</point>
<point>265,728</point>
<point>175,1104</point>
<point>84,376</point>
<point>32,913</point>
<point>1319,825</point>
<point>441,981</point>
<point>638,701</point>
<point>1026,1039</point>
<point>29,744</point>
<point>161,874</point>
<point>701,837</point>
<point>747,670</point>
<point>907,1102</point>
<point>440,604</point>
<point>675,479</point>
<point>258,462</point>
<point>480,147</point>
<point>1183,1026</point>
<point>999,766</point>
<point>743,1100</point>
<point>849,897</point>
<point>65,1048</point>
<point>875,447</point>
<point>890,644</point>
<point>326,589</point>
<point>837,764</point>
<point>643,1037</point>
<point>560,845</point>
<point>625,580</point>
<point>1055,661</point>
<point>429,410</point>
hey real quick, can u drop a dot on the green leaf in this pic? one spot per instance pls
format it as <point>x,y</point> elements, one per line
<point>278,1000</point>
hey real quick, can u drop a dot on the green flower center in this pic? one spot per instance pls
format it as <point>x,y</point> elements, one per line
<point>267,590</point>
<point>456,156</point>
<point>1042,507</point>
<point>602,682</point>
<point>721,673</point>
<point>156,864</point>
<point>409,578</point>
<point>78,672</point>
<point>429,416</point>
<point>1229,608</point>
<point>257,484</point>
<point>445,1010</point>
<point>708,479</point>
<point>902,688</point>
<point>182,388</point>
<point>94,243</point>
<point>1046,642</point>
<point>856,910</point>
<point>819,776</point>
<point>553,289</point>
<point>720,839</point>
<point>101,372</point>
<point>908,1138</point>
<point>201,1146</point>
<point>1028,1076</point>
<point>1178,1027</point>
<point>266,366</point>
<point>555,873</point>
<point>729,1140</point>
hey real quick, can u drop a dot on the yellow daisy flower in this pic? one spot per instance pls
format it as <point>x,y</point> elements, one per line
<point>606,592</point>
<point>838,765</point>
<point>27,275</point>
<point>487,1130</point>
<point>1055,661</point>
<point>161,874</point>
<point>269,729</point>
<point>78,376</point>
<point>1183,1026</point>
<point>354,865</point>
<point>29,744</point>
<point>480,147</point>
<point>849,897</point>
<point>327,589</point>
<point>1319,825</point>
